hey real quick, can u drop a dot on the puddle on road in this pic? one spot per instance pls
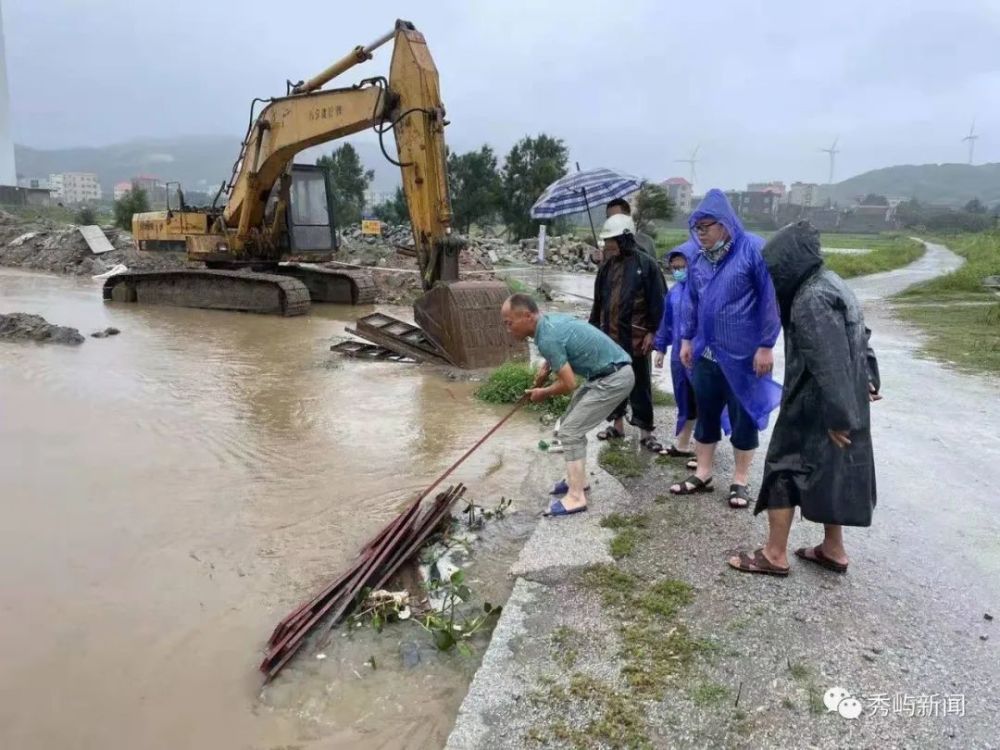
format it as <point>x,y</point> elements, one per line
<point>170,493</point>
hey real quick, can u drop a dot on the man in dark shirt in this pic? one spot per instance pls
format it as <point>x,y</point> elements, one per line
<point>628,305</point>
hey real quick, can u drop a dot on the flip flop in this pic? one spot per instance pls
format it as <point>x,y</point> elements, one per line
<point>562,487</point>
<point>757,563</point>
<point>558,509</point>
<point>815,555</point>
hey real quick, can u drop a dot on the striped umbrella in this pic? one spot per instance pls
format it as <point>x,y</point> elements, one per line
<point>578,191</point>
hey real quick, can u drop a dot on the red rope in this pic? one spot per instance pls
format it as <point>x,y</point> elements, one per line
<point>521,402</point>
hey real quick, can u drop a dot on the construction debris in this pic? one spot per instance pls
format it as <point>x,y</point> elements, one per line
<point>396,336</point>
<point>26,327</point>
<point>374,566</point>
<point>96,239</point>
<point>61,248</point>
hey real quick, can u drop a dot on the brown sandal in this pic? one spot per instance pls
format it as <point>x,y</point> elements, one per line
<point>815,555</point>
<point>757,563</point>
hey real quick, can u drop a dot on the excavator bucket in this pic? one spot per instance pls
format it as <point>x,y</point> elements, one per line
<point>463,319</point>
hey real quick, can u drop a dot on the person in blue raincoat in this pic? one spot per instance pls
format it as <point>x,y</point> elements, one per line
<point>728,330</point>
<point>669,335</point>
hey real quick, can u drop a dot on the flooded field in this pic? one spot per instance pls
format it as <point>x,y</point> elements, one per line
<point>169,493</point>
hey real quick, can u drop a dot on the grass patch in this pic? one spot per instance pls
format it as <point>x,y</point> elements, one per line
<point>861,241</point>
<point>509,381</point>
<point>655,651</point>
<point>967,335</point>
<point>894,253</point>
<point>709,694</point>
<point>799,671</point>
<point>816,705</point>
<point>614,585</point>
<point>617,721</point>
<point>963,326</point>
<point>517,286</point>
<point>624,543</point>
<point>622,521</point>
<point>629,534</point>
<point>564,639</point>
<point>619,460</point>
<point>668,239</point>
<point>982,258</point>
<point>57,214</point>
<point>788,703</point>
<point>662,398</point>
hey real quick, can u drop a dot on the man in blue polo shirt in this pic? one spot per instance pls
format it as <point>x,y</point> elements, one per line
<point>572,348</point>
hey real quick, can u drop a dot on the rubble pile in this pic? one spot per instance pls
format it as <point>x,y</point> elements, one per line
<point>562,251</point>
<point>60,248</point>
<point>481,252</point>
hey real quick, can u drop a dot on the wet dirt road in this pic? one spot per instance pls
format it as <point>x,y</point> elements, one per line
<point>169,493</point>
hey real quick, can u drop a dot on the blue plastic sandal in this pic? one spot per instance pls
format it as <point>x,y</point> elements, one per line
<point>562,487</point>
<point>558,509</point>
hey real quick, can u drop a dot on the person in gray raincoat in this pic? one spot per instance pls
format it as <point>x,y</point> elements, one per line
<point>820,457</point>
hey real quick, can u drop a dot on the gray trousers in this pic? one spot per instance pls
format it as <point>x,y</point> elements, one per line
<point>590,406</point>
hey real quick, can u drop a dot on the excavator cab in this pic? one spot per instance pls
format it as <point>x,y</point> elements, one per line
<point>311,227</point>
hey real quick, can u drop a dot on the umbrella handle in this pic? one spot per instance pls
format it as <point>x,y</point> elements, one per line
<point>589,217</point>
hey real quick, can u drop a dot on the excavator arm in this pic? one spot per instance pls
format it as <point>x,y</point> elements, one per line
<point>410,104</point>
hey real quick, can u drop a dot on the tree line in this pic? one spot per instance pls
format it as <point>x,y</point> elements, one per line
<point>482,189</point>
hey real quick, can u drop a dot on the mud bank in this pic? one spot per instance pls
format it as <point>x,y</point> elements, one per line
<point>25,327</point>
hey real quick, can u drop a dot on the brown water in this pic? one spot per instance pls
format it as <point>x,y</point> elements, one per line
<point>168,494</point>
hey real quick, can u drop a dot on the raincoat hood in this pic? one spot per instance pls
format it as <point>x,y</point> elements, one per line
<point>688,249</point>
<point>715,205</point>
<point>792,256</point>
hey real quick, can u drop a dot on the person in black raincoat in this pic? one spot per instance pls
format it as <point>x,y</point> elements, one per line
<point>820,456</point>
<point>628,305</point>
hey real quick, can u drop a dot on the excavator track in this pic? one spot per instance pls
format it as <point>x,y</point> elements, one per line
<point>345,286</point>
<point>242,291</point>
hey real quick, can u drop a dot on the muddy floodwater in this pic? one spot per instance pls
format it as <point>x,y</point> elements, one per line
<point>168,494</point>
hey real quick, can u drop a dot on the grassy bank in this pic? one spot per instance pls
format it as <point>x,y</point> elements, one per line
<point>888,251</point>
<point>960,317</point>
<point>507,384</point>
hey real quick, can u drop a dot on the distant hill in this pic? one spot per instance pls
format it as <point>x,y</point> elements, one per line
<point>198,162</point>
<point>945,184</point>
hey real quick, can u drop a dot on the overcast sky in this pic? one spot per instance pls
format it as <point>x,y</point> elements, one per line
<point>760,85</point>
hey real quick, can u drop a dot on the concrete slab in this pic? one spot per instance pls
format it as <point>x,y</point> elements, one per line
<point>96,240</point>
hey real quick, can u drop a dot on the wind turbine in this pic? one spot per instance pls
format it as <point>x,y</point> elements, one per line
<point>691,161</point>
<point>832,151</point>
<point>971,138</point>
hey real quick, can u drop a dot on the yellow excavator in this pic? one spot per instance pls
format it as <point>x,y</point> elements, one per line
<point>260,248</point>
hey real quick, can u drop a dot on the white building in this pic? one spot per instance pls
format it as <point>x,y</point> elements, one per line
<point>121,188</point>
<point>8,172</point>
<point>804,194</point>
<point>75,187</point>
<point>679,191</point>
